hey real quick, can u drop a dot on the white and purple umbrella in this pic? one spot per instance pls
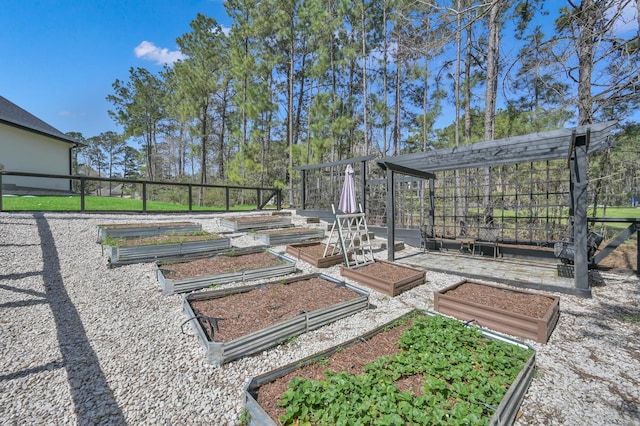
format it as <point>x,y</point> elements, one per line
<point>348,203</point>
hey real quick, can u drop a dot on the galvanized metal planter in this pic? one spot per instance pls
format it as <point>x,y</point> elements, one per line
<point>249,223</point>
<point>171,286</point>
<point>293,235</point>
<point>119,255</point>
<point>218,353</point>
<point>391,288</point>
<point>523,326</point>
<point>505,413</point>
<point>137,230</point>
<point>298,251</point>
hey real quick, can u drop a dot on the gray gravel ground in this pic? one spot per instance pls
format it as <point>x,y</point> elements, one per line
<point>84,344</point>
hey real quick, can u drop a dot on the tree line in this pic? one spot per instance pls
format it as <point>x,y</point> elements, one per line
<point>297,82</point>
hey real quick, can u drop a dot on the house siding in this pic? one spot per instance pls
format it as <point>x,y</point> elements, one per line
<point>24,151</point>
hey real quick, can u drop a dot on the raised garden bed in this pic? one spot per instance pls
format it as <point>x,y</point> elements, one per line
<point>276,237</point>
<point>234,266</point>
<point>420,369</point>
<point>516,312</point>
<point>385,277</point>
<point>123,251</point>
<point>232,323</point>
<point>249,223</point>
<point>313,253</point>
<point>138,230</point>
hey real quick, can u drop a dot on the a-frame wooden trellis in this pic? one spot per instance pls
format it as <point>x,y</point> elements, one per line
<point>350,234</point>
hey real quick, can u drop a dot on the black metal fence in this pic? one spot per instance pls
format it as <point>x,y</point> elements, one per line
<point>208,198</point>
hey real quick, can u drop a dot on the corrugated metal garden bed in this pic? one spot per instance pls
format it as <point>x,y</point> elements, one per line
<point>250,223</point>
<point>278,237</point>
<point>233,323</point>
<point>136,230</point>
<point>212,277</point>
<point>150,249</point>
<point>423,368</point>
<point>519,313</point>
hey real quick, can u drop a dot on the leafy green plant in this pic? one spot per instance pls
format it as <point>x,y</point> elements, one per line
<point>245,417</point>
<point>630,318</point>
<point>465,377</point>
<point>292,340</point>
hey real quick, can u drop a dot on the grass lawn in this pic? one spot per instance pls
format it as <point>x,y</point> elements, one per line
<point>93,203</point>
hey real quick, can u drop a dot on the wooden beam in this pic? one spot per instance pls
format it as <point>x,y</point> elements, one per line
<point>579,168</point>
<point>391,218</point>
<point>534,147</point>
<point>336,163</point>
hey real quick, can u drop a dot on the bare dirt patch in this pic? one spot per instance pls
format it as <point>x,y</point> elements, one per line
<point>169,239</point>
<point>243,313</point>
<point>623,258</point>
<point>387,271</point>
<point>287,231</point>
<point>531,305</point>
<point>220,264</point>
<point>251,219</point>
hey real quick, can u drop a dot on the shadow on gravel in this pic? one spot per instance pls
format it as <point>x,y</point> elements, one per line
<point>93,399</point>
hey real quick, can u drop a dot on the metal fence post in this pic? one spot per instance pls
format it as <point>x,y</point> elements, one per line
<point>190,198</point>
<point>144,197</point>
<point>226,196</point>
<point>82,189</point>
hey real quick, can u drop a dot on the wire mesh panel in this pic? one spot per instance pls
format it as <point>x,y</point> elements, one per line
<point>409,202</point>
<point>521,203</point>
<point>323,186</point>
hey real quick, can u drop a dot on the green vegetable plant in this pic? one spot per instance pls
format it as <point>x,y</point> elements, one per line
<point>464,376</point>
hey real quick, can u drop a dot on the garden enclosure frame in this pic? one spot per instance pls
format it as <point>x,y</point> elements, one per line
<point>571,145</point>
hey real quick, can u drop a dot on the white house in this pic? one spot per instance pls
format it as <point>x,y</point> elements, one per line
<point>28,144</point>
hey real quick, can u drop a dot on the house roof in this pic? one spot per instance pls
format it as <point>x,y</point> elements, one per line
<point>541,146</point>
<point>12,115</point>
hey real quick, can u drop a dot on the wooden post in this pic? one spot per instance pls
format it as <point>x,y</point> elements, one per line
<point>637,249</point>
<point>432,207</point>
<point>144,197</point>
<point>363,185</point>
<point>391,215</point>
<point>83,183</point>
<point>579,195</point>
<point>303,190</point>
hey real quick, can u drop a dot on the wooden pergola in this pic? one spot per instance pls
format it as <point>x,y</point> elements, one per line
<point>573,144</point>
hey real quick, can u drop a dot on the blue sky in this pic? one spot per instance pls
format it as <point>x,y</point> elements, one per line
<point>59,59</point>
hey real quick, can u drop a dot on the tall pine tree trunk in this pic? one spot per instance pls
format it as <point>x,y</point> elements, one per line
<point>490,98</point>
<point>365,114</point>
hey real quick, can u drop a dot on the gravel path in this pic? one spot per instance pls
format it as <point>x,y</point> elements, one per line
<point>84,344</point>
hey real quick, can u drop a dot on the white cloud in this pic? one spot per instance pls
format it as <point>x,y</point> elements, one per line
<point>148,50</point>
<point>66,113</point>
